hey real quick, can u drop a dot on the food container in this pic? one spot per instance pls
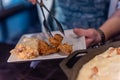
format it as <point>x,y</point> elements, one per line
<point>73,63</point>
<point>77,43</point>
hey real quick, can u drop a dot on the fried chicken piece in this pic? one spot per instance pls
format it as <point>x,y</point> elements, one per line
<point>52,50</point>
<point>27,49</point>
<point>56,40</point>
<point>65,48</point>
<point>43,47</point>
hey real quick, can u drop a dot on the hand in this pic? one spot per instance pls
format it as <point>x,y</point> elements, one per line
<point>32,1</point>
<point>92,37</point>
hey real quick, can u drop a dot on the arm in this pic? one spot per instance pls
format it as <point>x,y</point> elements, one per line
<point>110,28</point>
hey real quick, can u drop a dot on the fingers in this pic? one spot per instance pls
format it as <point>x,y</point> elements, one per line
<point>32,1</point>
<point>91,36</point>
<point>78,31</point>
<point>81,32</point>
<point>89,42</point>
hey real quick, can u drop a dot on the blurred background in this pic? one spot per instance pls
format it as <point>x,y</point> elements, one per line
<point>17,17</point>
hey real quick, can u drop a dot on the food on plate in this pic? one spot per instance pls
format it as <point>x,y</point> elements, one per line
<point>28,48</point>
<point>65,48</point>
<point>46,49</point>
<point>52,50</point>
<point>56,40</point>
<point>105,66</point>
<point>43,47</point>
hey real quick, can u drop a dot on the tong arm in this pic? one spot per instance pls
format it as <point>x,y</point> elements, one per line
<point>57,22</point>
<point>45,21</point>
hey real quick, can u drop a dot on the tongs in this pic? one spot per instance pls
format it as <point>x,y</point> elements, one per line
<point>41,4</point>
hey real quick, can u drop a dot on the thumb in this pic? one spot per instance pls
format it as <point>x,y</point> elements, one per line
<point>79,31</point>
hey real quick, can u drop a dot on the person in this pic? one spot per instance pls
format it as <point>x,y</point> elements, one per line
<point>110,29</point>
<point>87,13</point>
<point>79,13</point>
<point>91,34</point>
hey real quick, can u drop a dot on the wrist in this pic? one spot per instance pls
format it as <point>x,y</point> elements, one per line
<point>101,37</point>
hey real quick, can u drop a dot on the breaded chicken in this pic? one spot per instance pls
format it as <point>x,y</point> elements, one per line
<point>46,49</point>
<point>43,47</point>
<point>52,50</point>
<point>65,48</point>
<point>56,40</point>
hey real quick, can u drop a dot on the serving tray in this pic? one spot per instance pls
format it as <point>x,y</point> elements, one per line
<point>77,42</point>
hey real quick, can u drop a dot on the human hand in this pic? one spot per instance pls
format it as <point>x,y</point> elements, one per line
<point>32,1</point>
<point>92,36</point>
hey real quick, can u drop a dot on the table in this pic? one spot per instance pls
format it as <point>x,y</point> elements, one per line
<point>45,70</point>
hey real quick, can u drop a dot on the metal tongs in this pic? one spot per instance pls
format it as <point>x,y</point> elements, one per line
<point>41,4</point>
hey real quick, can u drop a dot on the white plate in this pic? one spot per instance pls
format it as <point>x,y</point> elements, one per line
<point>70,37</point>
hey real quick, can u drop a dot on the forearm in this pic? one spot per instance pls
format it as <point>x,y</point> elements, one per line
<point>112,26</point>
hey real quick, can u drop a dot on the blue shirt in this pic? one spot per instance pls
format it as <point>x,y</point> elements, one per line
<point>81,13</point>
